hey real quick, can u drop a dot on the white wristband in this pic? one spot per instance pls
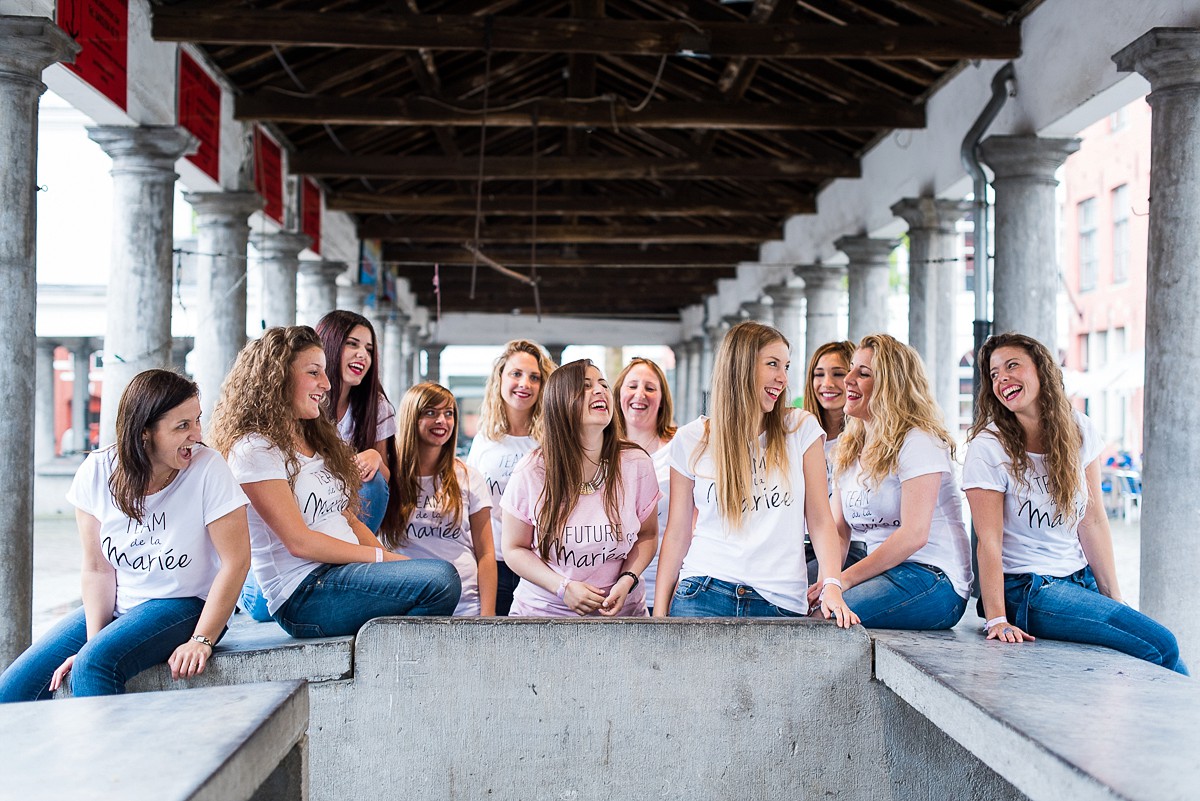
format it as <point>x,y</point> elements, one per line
<point>562,589</point>
<point>378,555</point>
<point>837,582</point>
<point>988,626</point>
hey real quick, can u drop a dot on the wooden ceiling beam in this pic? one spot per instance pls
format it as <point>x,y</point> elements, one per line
<point>602,37</point>
<point>594,206</point>
<point>706,258</point>
<point>614,234</point>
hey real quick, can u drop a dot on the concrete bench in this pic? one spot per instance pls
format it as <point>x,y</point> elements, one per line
<point>244,743</point>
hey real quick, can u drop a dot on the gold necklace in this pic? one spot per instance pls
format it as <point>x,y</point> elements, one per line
<point>590,487</point>
<point>165,484</point>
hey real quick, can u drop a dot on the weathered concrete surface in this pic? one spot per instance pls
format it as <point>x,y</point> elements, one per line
<point>316,289</point>
<point>280,260</point>
<point>869,290</point>
<point>823,290</point>
<point>1059,721</point>
<point>217,744</point>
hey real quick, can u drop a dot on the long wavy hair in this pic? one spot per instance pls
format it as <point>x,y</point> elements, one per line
<point>493,415</point>
<point>664,425</point>
<point>256,398</point>
<point>900,401</point>
<point>732,430</point>
<point>145,401</point>
<point>844,349</point>
<point>1060,431</point>
<point>406,481</point>
<point>561,455</point>
<point>334,329</point>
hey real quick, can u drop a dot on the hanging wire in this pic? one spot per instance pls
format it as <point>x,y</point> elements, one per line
<point>487,87</point>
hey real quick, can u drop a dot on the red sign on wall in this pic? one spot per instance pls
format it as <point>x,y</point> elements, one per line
<point>101,27</point>
<point>268,174</point>
<point>200,113</point>
<point>310,213</point>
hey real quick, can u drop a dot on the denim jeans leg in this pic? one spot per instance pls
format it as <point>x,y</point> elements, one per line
<point>855,554</point>
<point>143,637</point>
<point>28,678</point>
<point>373,501</point>
<point>908,596</point>
<point>506,585</point>
<point>252,600</point>
<point>701,596</point>
<point>336,600</point>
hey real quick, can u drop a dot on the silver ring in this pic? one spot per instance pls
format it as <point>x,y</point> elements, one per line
<point>1008,631</point>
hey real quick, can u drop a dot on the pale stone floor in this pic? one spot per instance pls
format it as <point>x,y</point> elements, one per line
<point>56,556</point>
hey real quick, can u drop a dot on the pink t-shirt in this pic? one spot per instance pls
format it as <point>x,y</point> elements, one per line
<point>593,547</point>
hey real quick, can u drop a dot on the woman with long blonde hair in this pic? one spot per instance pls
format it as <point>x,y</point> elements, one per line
<point>446,503</point>
<point>753,478</point>
<point>894,474</point>
<point>1032,477</point>
<point>322,572</point>
<point>510,426</point>
<point>579,512</point>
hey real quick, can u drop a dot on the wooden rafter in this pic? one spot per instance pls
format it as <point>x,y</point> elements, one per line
<point>519,205</point>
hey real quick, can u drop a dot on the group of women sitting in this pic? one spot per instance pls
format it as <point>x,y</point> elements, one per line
<point>347,510</point>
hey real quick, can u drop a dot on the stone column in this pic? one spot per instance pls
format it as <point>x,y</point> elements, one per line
<point>380,315</point>
<point>27,46</point>
<point>822,294</point>
<point>180,348</point>
<point>223,229</point>
<point>1025,282</point>
<point>555,352</point>
<point>679,383</point>
<point>760,311</point>
<point>316,290</point>
<point>1170,60</point>
<point>351,297</point>
<point>280,259</point>
<point>138,334</point>
<point>788,313</point>
<point>696,376</point>
<point>43,402</point>
<point>414,355</point>
<point>934,277</point>
<point>869,289</point>
<point>391,371</point>
<point>81,393</point>
<point>433,365</point>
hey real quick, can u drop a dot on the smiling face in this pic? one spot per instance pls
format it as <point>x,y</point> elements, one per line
<point>358,351</point>
<point>770,374</point>
<point>860,383</point>
<point>597,400</point>
<point>436,424</point>
<point>1015,380</point>
<point>170,440</point>
<point>520,381</point>
<point>309,383</point>
<point>829,381</point>
<point>641,398</point>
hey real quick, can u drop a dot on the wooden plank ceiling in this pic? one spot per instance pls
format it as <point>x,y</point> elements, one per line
<point>634,151</point>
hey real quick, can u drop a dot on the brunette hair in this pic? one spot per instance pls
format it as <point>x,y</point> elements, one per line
<point>406,481</point>
<point>900,402</point>
<point>561,455</point>
<point>664,426</point>
<point>1061,435</point>
<point>334,329</point>
<point>493,414</point>
<point>145,401</point>
<point>844,349</point>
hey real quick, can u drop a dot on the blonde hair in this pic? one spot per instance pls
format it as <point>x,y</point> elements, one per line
<point>664,426</point>
<point>900,402</point>
<point>736,417</point>
<point>406,479</point>
<point>1060,431</point>
<point>256,398</point>
<point>845,349</point>
<point>493,415</point>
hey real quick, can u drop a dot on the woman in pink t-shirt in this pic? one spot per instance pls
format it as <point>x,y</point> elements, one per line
<point>579,512</point>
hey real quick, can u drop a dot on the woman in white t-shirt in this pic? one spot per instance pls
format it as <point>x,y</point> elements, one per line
<point>752,477</point>
<point>322,572</point>
<point>446,503</point>
<point>1032,476</point>
<point>579,512</point>
<point>165,549</point>
<point>645,416</point>
<point>894,474</point>
<point>510,426</point>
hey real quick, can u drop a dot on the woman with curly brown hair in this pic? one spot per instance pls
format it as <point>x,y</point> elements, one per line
<point>1032,476</point>
<point>322,572</point>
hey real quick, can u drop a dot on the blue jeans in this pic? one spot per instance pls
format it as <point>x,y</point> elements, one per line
<point>1071,608</point>
<point>856,553</point>
<point>705,596</point>
<point>139,639</point>
<point>909,596</point>
<point>506,585</point>
<point>335,600</point>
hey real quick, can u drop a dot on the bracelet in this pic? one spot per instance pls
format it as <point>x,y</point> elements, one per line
<point>562,588</point>
<point>378,555</point>
<point>632,575</point>
<point>837,582</point>
<point>202,639</point>
<point>988,626</point>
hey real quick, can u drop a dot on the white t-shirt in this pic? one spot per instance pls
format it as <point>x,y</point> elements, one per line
<point>593,546</point>
<point>1037,537</point>
<point>497,459</point>
<point>873,512</point>
<point>662,472</point>
<point>385,423</point>
<point>767,551</point>
<point>169,554</point>
<point>830,445</point>
<point>432,536</point>
<point>322,500</point>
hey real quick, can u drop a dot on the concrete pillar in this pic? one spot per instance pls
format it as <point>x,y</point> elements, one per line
<point>433,363</point>
<point>760,311</point>
<point>27,46</point>
<point>223,229</point>
<point>380,313</point>
<point>81,393</point>
<point>555,352</point>
<point>696,376</point>
<point>138,333</point>
<point>180,348</point>
<point>788,307</point>
<point>280,259</point>
<point>869,288</point>
<point>43,402</point>
<point>1025,282</point>
<point>414,354</point>
<point>1170,60</point>
<point>391,370</point>
<point>351,297</point>
<point>679,380</point>
<point>822,294</point>
<point>934,278</point>
<point>316,290</point>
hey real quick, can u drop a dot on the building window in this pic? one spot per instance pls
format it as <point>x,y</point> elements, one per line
<point>1086,217</point>
<point>1120,233</point>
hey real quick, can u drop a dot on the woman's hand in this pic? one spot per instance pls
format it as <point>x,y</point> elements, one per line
<point>615,601</point>
<point>60,673</point>
<point>1007,632</point>
<point>814,593</point>
<point>189,659</point>
<point>582,598</point>
<point>833,606</point>
<point>369,462</point>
